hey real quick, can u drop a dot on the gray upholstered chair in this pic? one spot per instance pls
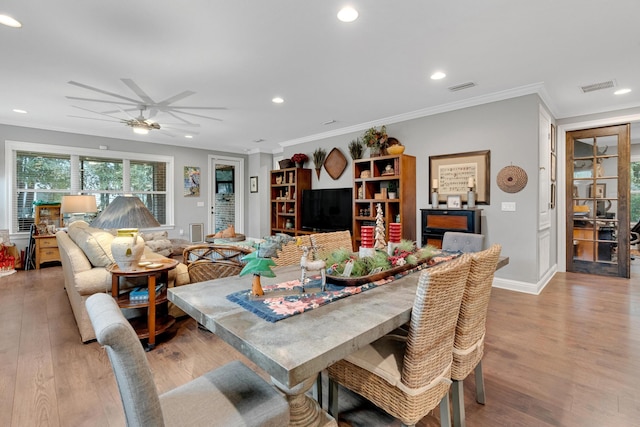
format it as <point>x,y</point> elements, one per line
<point>408,376</point>
<point>463,242</point>
<point>232,395</point>
<point>468,345</point>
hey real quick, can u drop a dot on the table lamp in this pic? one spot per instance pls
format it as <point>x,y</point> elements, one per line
<point>78,206</point>
<point>126,214</point>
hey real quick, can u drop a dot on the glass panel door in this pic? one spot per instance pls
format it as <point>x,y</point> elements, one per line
<point>597,196</point>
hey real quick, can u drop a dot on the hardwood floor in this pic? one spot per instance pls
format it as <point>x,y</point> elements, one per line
<point>568,357</point>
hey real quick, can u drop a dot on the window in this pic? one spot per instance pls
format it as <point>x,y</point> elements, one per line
<point>40,175</point>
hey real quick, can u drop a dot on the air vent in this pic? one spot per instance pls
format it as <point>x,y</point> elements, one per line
<point>462,86</point>
<point>598,86</point>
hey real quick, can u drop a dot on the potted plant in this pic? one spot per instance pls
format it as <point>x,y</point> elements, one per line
<point>392,189</point>
<point>299,159</point>
<point>356,148</point>
<point>319,157</point>
<point>376,140</point>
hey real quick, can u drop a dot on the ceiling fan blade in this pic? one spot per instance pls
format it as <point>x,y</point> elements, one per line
<point>126,110</point>
<point>177,97</point>
<point>97,112</point>
<point>195,108</point>
<point>95,89</point>
<point>196,115</point>
<point>95,118</point>
<point>193,125</point>
<point>77,98</point>
<point>175,116</point>
<point>138,91</point>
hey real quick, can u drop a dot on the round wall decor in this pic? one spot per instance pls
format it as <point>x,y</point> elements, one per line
<point>512,179</point>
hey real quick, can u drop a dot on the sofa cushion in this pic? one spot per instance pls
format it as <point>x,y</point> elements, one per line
<point>94,242</point>
<point>158,242</point>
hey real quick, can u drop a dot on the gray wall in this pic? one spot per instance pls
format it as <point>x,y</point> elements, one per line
<point>187,210</point>
<point>509,129</point>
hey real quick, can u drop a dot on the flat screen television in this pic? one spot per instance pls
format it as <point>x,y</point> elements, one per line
<point>328,209</point>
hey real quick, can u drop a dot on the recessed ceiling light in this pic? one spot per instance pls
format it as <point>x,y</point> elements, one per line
<point>188,136</point>
<point>621,91</point>
<point>438,75</point>
<point>17,110</point>
<point>277,100</point>
<point>9,21</point>
<point>348,14</point>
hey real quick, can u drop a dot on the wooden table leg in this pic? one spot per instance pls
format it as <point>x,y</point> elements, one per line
<point>303,410</point>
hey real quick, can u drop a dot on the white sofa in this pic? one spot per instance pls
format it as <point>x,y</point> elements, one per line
<point>85,253</point>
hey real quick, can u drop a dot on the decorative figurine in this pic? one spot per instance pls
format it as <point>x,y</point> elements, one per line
<point>307,265</point>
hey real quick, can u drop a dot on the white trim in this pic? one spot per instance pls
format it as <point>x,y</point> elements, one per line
<point>14,146</point>
<point>525,287</point>
<point>561,145</point>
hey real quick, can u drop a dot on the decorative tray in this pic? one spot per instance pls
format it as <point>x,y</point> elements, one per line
<point>335,163</point>
<point>360,280</point>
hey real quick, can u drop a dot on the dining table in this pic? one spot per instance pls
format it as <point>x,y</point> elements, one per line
<point>293,351</point>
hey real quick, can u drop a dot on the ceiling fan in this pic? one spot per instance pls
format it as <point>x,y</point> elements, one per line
<point>141,124</point>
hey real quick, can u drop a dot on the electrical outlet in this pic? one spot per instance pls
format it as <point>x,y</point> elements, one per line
<point>200,204</point>
<point>181,232</point>
<point>509,206</point>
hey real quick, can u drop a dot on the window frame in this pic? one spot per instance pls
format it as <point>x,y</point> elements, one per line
<point>12,147</point>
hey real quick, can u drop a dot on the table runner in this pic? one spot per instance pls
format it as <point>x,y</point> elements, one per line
<point>281,307</point>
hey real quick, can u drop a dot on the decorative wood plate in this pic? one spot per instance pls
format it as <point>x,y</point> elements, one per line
<point>335,163</point>
<point>361,280</point>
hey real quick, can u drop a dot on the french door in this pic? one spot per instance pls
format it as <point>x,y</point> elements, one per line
<point>597,196</point>
<point>226,199</point>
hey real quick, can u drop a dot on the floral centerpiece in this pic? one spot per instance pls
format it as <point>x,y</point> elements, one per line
<point>405,255</point>
<point>299,159</point>
<point>376,140</point>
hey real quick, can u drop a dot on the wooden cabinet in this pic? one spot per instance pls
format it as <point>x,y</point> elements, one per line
<point>286,196</point>
<point>374,180</point>
<point>46,249</point>
<point>49,215</point>
<point>436,222</point>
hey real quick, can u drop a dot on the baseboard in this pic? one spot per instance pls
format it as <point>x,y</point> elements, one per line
<point>525,287</point>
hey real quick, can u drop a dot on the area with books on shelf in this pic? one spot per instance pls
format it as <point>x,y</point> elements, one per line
<point>286,187</point>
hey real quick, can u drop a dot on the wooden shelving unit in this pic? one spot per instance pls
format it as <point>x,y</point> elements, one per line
<point>398,170</point>
<point>286,197</point>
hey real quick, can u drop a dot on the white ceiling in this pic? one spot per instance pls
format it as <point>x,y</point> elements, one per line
<point>240,54</point>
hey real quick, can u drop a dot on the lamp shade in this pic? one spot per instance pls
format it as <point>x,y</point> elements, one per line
<point>125,212</point>
<point>78,204</point>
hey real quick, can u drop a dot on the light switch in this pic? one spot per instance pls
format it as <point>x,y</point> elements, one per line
<point>201,204</point>
<point>509,206</point>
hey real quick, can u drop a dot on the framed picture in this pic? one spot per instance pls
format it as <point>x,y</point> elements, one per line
<point>191,181</point>
<point>553,138</point>
<point>253,184</point>
<point>553,167</point>
<point>451,174</point>
<point>600,191</point>
<point>454,202</point>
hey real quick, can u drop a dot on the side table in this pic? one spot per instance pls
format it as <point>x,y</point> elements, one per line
<point>46,249</point>
<point>153,325</point>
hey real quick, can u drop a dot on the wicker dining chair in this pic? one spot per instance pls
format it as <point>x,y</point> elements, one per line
<point>332,241</point>
<point>212,261</point>
<point>468,345</point>
<point>407,376</point>
<point>291,252</point>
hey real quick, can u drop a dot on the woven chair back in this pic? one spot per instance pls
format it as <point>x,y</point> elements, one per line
<point>203,270</point>
<point>214,252</point>
<point>433,322</point>
<point>292,252</point>
<point>330,242</point>
<point>470,329</point>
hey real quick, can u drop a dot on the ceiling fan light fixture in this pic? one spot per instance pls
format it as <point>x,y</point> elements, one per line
<point>9,21</point>
<point>140,130</point>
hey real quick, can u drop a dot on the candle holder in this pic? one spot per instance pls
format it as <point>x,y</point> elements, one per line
<point>434,199</point>
<point>471,198</point>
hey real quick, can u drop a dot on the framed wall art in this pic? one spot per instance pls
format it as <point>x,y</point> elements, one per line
<point>454,202</point>
<point>253,184</point>
<point>191,181</point>
<point>600,191</point>
<point>451,174</point>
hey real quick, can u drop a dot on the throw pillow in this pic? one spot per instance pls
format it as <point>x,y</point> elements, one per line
<point>94,242</point>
